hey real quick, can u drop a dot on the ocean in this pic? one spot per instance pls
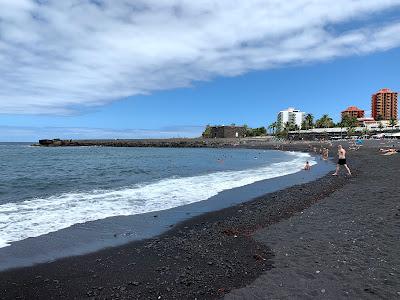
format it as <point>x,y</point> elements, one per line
<point>48,190</point>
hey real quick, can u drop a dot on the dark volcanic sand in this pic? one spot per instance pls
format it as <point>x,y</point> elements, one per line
<point>346,246</point>
<point>351,236</point>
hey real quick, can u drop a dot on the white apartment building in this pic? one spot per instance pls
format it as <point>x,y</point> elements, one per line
<point>291,116</point>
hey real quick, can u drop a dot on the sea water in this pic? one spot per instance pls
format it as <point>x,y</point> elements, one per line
<point>45,190</point>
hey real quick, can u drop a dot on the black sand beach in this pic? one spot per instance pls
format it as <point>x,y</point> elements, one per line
<point>335,237</point>
<point>343,247</point>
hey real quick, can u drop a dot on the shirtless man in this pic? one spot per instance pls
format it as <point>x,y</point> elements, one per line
<point>342,161</point>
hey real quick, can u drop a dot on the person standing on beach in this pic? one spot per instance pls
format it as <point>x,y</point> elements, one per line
<point>341,161</point>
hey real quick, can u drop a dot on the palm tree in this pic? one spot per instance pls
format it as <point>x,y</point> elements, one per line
<point>309,121</point>
<point>272,127</point>
<point>324,122</point>
<point>288,127</point>
<point>350,131</point>
<point>348,121</point>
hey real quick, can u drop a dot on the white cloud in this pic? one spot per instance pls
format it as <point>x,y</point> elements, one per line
<point>56,56</point>
<point>33,134</point>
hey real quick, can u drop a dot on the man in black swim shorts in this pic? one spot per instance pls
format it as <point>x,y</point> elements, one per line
<point>341,161</point>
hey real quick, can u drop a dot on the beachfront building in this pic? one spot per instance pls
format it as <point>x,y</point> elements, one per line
<point>384,105</point>
<point>353,112</point>
<point>370,129</point>
<point>372,125</point>
<point>290,116</point>
<point>227,132</point>
<point>366,122</point>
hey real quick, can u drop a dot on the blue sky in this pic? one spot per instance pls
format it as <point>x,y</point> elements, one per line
<point>171,67</point>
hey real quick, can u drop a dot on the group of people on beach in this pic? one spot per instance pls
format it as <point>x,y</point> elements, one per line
<point>341,160</point>
<point>389,151</point>
<point>323,151</point>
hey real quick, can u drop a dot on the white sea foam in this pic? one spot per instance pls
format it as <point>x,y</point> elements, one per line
<point>36,217</point>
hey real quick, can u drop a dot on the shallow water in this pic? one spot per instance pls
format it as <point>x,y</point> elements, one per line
<point>44,190</point>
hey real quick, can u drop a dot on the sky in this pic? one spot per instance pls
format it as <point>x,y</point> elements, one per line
<point>166,68</point>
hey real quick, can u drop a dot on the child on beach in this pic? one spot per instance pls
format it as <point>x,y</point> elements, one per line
<point>307,167</point>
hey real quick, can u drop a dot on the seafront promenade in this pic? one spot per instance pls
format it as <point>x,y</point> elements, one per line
<point>336,237</point>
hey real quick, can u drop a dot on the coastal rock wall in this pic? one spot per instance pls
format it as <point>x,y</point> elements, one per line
<point>162,143</point>
<point>256,143</point>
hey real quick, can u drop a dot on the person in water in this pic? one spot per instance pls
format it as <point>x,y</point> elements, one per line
<point>307,167</point>
<point>325,154</point>
<point>341,161</point>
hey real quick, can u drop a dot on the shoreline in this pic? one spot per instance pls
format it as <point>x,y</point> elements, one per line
<point>115,231</point>
<point>177,236</point>
<point>205,257</point>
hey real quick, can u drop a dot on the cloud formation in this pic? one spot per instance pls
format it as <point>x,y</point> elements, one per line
<point>59,56</point>
<point>33,134</point>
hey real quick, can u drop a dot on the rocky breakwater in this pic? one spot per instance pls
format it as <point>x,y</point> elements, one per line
<point>165,143</point>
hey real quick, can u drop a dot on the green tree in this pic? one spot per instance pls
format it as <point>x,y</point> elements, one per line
<point>249,131</point>
<point>289,127</point>
<point>207,132</point>
<point>348,121</point>
<point>273,127</point>
<point>324,122</point>
<point>350,131</point>
<point>270,128</point>
<point>262,130</point>
<point>304,125</point>
<point>308,122</point>
<point>365,131</point>
<point>283,132</point>
<point>393,122</point>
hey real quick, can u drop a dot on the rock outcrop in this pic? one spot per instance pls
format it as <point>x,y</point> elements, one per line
<point>161,143</point>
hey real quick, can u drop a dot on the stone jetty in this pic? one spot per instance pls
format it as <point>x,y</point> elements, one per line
<point>160,143</point>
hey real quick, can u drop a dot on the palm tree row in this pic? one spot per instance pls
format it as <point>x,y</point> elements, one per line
<point>324,122</point>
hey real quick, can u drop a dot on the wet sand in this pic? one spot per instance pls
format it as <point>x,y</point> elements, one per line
<point>325,238</point>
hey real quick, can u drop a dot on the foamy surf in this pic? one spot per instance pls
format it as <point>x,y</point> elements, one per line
<point>40,216</point>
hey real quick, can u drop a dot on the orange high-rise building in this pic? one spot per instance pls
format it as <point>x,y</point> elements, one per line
<point>384,105</point>
<point>353,111</point>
